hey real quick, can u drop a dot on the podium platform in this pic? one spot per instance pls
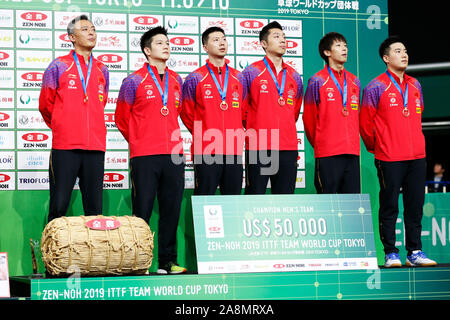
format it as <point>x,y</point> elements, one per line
<point>430,283</point>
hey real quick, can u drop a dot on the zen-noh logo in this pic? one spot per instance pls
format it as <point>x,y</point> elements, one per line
<point>182,41</point>
<point>113,177</point>
<point>3,55</point>
<point>110,120</point>
<point>110,58</point>
<point>32,76</point>
<point>103,224</point>
<point>35,137</point>
<point>115,180</point>
<point>251,24</point>
<point>4,116</point>
<point>291,44</point>
<point>64,37</point>
<point>34,16</point>
<point>146,20</point>
<point>34,19</point>
<point>4,178</point>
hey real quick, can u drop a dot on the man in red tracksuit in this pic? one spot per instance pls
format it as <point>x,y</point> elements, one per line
<point>147,115</point>
<point>212,112</point>
<point>273,91</point>
<point>391,128</point>
<point>72,101</point>
<point>331,120</point>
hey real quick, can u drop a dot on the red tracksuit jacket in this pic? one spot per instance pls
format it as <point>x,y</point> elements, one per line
<point>201,102</point>
<point>270,125</point>
<point>328,131</point>
<point>74,123</point>
<point>139,118</point>
<point>385,130</point>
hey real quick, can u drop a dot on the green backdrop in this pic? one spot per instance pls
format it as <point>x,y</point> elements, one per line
<point>363,23</point>
<point>435,87</point>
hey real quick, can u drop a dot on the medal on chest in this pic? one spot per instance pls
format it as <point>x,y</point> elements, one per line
<point>80,73</point>
<point>165,111</point>
<point>343,91</point>
<point>164,94</point>
<point>223,105</point>
<point>345,112</point>
<point>223,92</point>
<point>405,110</point>
<point>280,89</point>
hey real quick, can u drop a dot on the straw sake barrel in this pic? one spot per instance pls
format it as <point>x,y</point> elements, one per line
<point>97,245</point>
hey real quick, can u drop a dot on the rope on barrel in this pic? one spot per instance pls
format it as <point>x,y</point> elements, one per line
<point>89,243</point>
<point>122,248</point>
<point>135,243</point>
<point>69,239</point>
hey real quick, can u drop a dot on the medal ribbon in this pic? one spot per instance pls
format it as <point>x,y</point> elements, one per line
<point>80,72</point>
<point>223,93</point>
<point>280,90</point>
<point>166,85</point>
<point>404,95</point>
<point>343,94</point>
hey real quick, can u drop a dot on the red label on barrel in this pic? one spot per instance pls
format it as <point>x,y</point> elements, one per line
<point>103,224</point>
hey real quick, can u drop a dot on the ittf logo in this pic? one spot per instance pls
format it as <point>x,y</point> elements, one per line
<point>212,211</point>
<point>173,24</point>
<point>24,38</point>
<point>213,216</point>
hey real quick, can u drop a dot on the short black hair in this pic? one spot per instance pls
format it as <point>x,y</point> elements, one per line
<point>208,31</point>
<point>327,41</point>
<point>71,25</point>
<point>264,33</point>
<point>147,37</point>
<point>385,45</point>
<point>440,162</point>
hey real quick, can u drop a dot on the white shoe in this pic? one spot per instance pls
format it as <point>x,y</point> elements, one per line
<point>392,260</point>
<point>418,258</point>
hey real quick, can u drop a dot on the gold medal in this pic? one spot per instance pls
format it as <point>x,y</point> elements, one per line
<point>223,105</point>
<point>345,112</point>
<point>164,111</point>
<point>281,101</point>
<point>86,99</point>
<point>405,112</point>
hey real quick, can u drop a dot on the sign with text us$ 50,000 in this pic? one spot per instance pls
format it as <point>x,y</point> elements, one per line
<point>279,233</point>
